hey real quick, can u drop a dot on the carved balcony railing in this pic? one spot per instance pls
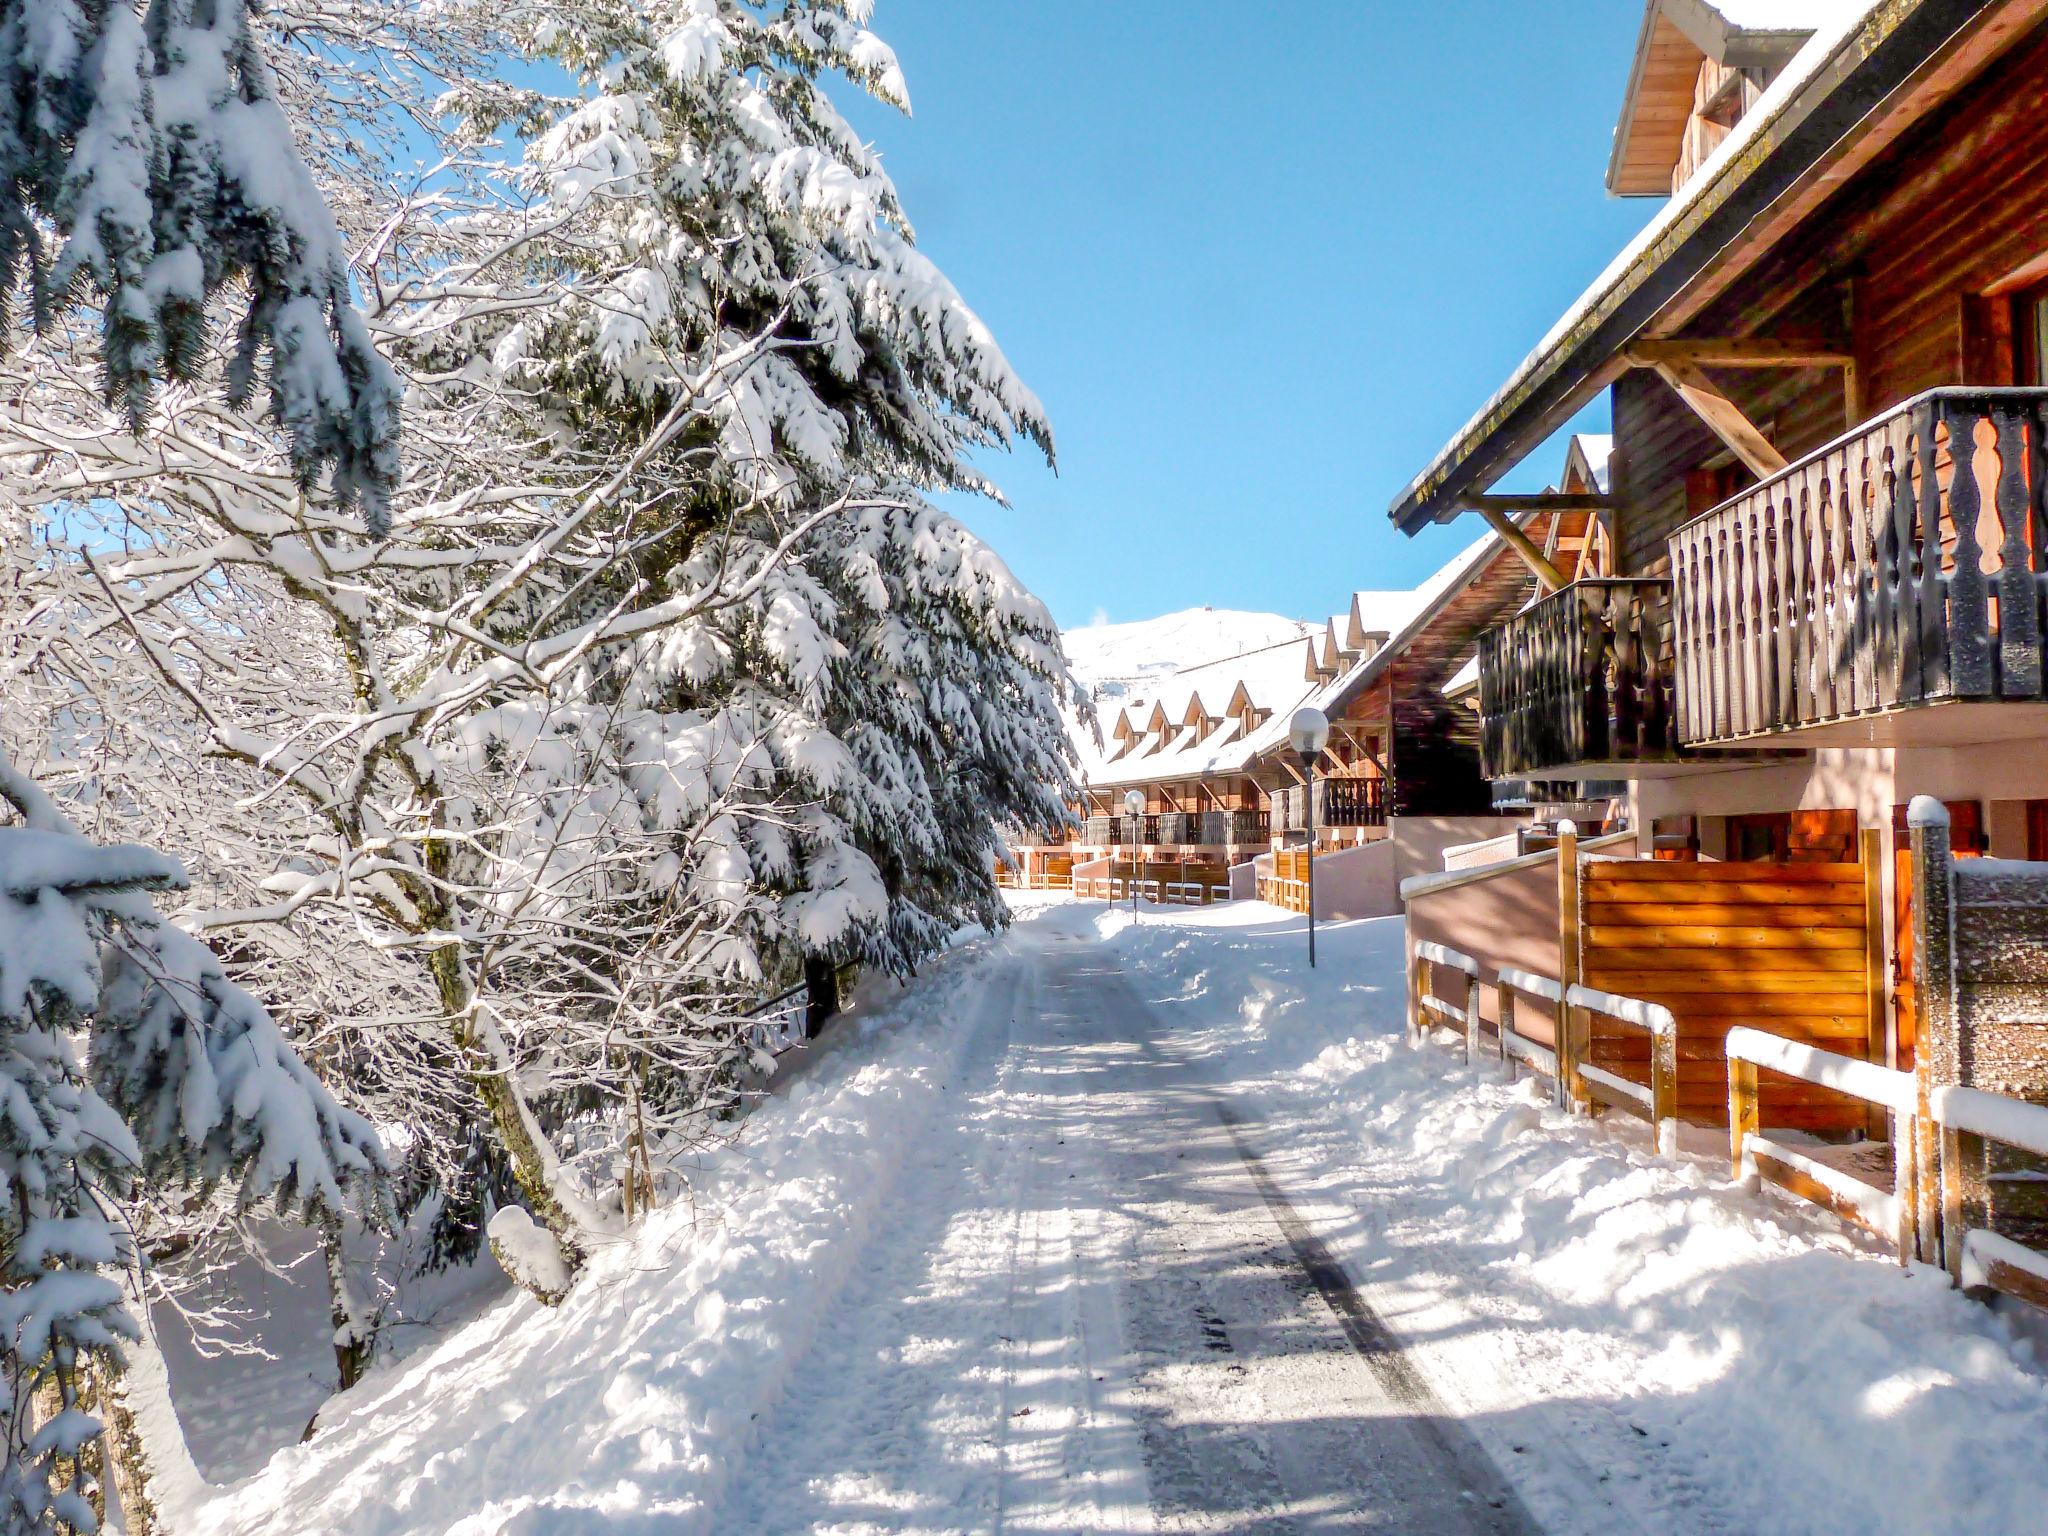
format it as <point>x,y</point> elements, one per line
<point>1901,565</point>
<point>1234,828</point>
<point>1581,678</point>
<point>1352,803</point>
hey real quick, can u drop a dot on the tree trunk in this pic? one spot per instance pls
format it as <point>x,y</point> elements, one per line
<point>355,1330</point>
<point>154,1481</point>
<point>491,1075</point>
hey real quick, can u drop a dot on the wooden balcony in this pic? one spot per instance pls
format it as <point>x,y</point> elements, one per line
<point>1897,568</point>
<point>1580,682</point>
<point>1352,803</point>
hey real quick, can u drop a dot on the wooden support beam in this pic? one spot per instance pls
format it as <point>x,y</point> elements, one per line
<point>1737,353</point>
<point>1723,416</point>
<point>1539,501</point>
<point>1547,575</point>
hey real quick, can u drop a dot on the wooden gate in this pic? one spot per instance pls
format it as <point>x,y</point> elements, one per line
<point>1795,949</point>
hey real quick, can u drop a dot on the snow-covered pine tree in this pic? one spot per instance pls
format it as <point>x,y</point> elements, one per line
<point>186,1081</point>
<point>595,670</point>
<point>949,699</point>
<point>66,1161</point>
<point>145,165</point>
<point>743,232</point>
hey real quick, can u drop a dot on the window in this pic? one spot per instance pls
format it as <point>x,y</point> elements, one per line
<point>2030,335</point>
<point>1761,839</point>
<point>2037,829</point>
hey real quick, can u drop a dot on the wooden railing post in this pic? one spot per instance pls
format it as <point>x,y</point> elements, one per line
<point>1569,1019</point>
<point>1742,1110</point>
<point>1934,1035</point>
<point>1416,982</point>
<point>1664,1088</point>
<point>1471,1018</point>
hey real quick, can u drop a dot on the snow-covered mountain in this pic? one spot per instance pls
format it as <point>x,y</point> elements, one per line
<point>1119,660</point>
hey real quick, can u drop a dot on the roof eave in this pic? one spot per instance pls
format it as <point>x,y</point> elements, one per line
<point>1870,61</point>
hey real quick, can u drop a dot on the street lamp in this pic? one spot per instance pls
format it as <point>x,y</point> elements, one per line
<point>1134,805</point>
<point>1308,733</point>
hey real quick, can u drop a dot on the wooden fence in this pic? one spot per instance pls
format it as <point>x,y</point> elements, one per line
<point>1897,1216</point>
<point>1287,885</point>
<point>1054,873</point>
<point>1954,1172</point>
<point>1170,882</point>
<point>1973,1124</point>
<point>1795,948</point>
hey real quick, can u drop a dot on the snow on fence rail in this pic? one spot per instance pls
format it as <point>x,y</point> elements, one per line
<point>1168,882</point>
<point>1425,1004</point>
<point>1894,1215</point>
<point>1516,1046</point>
<point>1655,1101</point>
<point>1579,1082</point>
<point>1978,1258</point>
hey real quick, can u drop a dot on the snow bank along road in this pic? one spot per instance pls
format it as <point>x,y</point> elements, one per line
<point>1102,1227</point>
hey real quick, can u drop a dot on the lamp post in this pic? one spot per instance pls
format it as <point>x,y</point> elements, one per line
<point>1134,806</point>
<point>1308,733</point>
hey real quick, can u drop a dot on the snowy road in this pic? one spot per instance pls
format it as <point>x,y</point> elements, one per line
<point>1061,1237</point>
<point>1089,1307</point>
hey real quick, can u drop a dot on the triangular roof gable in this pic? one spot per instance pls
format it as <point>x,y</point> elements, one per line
<point>1586,463</point>
<point>1354,627</point>
<point>1676,37</point>
<point>1488,560</point>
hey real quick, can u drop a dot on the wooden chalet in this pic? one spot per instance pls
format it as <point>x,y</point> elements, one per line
<point>1822,536</point>
<point>1222,783</point>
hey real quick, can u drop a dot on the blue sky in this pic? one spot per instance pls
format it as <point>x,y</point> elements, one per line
<point>1259,270</point>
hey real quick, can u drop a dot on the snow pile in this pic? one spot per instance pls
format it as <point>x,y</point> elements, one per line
<point>1638,1343</point>
<point>628,1405</point>
<point>1614,1325</point>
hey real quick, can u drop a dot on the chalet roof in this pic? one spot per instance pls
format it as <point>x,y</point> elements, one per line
<point>1776,163</point>
<point>1676,37</point>
<point>1588,459</point>
<point>1426,601</point>
<point>1278,687</point>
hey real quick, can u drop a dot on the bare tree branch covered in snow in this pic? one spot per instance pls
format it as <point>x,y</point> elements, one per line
<point>515,760</point>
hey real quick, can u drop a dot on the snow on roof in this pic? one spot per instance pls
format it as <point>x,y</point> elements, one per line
<point>1597,449</point>
<point>1843,17</point>
<point>1464,680</point>
<point>1780,15</point>
<point>1421,604</point>
<point>1271,676</point>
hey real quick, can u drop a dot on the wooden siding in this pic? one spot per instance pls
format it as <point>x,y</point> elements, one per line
<point>1435,748</point>
<point>1784,947</point>
<point>1893,263</point>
